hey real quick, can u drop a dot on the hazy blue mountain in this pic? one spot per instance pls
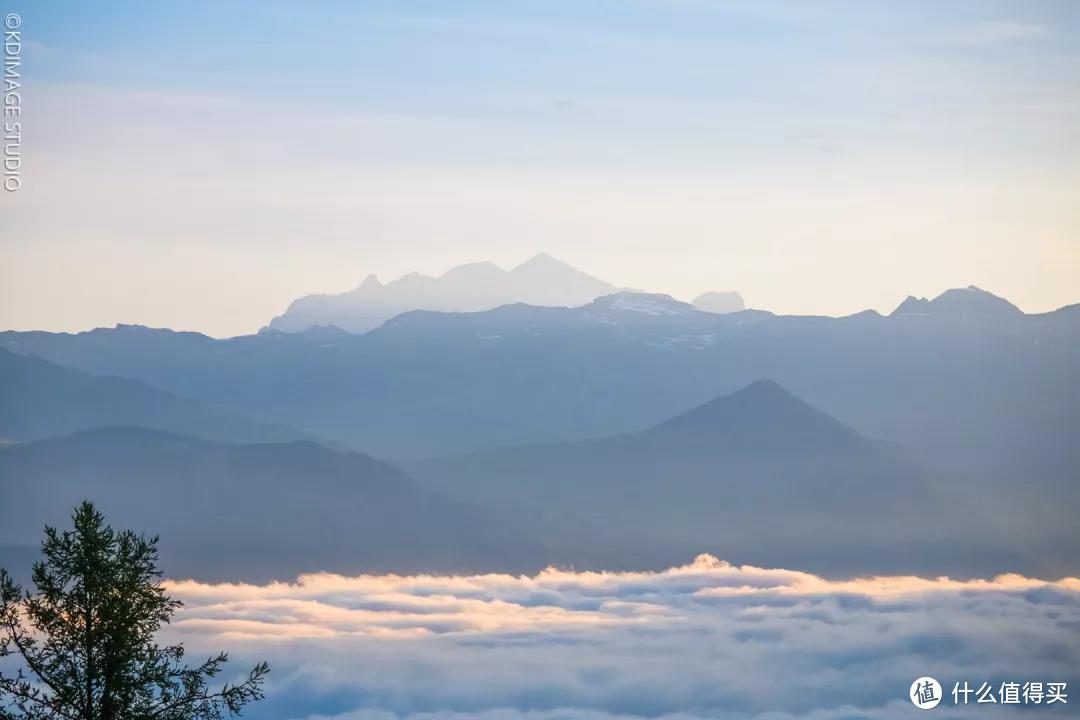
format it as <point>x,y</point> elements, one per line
<point>970,303</point>
<point>251,512</point>
<point>719,302</point>
<point>970,385</point>
<point>543,280</point>
<point>39,399</point>
<point>757,475</point>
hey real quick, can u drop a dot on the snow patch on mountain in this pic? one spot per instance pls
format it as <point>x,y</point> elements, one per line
<point>647,304</point>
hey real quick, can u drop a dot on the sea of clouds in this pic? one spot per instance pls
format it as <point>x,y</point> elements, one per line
<point>706,640</point>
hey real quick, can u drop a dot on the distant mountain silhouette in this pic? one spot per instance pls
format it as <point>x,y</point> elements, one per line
<point>641,304</point>
<point>959,303</point>
<point>39,399</point>
<point>542,280</point>
<point>655,319</point>
<point>982,395</point>
<point>252,512</point>
<point>986,400</point>
<point>757,416</point>
<point>756,475</point>
<point>720,302</point>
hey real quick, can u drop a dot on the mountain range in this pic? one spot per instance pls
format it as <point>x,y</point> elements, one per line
<point>983,388</point>
<point>983,397</point>
<point>542,280</point>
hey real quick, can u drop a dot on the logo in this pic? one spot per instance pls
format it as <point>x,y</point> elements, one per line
<point>925,693</point>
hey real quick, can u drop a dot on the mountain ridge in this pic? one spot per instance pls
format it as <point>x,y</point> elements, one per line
<point>970,301</point>
<point>756,473</point>
<point>41,399</point>
<point>266,510</point>
<point>540,280</point>
<point>959,392</point>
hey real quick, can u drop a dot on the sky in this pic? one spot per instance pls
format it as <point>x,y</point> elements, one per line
<point>199,165</point>
<point>705,641</point>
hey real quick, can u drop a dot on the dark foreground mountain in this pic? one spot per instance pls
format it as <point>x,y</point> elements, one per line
<point>543,280</point>
<point>252,512</point>
<point>39,399</point>
<point>757,475</point>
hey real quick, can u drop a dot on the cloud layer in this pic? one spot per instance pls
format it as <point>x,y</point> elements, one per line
<point>706,640</point>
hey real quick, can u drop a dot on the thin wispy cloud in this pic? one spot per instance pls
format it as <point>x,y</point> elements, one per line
<point>998,32</point>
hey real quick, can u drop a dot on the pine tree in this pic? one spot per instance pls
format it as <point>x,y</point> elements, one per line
<point>82,647</point>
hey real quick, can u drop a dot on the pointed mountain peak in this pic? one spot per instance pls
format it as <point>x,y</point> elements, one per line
<point>541,258</point>
<point>323,333</point>
<point>543,262</point>
<point>763,396</point>
<point>765,388</point>
<point>371,282</point>
<point>760,395</point>
<point>761,412</point>
<point>912,306</point>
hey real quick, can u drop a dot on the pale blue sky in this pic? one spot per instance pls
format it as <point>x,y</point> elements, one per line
<point>198,165</point>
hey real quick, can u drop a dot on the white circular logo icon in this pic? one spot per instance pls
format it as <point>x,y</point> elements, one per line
<point>925,693</point>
